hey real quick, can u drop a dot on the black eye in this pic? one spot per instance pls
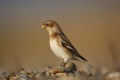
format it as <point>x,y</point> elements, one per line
<point>47,24</point>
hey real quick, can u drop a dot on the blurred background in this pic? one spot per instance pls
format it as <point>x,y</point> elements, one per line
<point>92,26</point>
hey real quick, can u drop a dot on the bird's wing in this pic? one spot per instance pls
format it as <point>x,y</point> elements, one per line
<point>67,45</point>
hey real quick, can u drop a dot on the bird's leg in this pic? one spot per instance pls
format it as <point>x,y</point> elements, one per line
<point>61,65</point>
<point>64,65</point>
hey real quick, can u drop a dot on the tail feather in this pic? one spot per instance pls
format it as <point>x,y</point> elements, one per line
<point>80,59</point>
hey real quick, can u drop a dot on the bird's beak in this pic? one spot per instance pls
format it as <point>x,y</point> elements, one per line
<point>43,26</point>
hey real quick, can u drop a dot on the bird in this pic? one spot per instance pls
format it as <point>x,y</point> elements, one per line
<point>60,44</point>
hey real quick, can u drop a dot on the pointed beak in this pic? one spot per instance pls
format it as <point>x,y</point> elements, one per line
<point>43,26</point>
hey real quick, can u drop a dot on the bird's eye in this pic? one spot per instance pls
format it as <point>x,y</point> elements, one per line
<point>47,24</point>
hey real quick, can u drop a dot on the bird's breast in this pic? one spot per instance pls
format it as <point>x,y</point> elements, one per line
<point>58,50</point>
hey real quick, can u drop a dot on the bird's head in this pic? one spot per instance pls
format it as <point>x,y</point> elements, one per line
<point>51,26</point>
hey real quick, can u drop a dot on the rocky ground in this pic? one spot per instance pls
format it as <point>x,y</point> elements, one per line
<point>69,72</point>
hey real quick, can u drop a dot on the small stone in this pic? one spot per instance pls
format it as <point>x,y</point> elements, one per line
<point>70,67</point>
<point>22,71</point>
<point>61,75</point>
<point>56,70</point>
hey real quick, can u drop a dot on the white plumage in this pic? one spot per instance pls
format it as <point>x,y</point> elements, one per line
<point>58,51</point>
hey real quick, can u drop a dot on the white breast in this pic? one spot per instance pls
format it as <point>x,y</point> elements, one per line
<point>58,51</point>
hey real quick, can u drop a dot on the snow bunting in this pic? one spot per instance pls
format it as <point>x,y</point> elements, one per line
<point>59,43</point>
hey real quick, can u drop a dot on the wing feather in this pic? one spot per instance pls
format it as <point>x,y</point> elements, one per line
<point>67,44</point>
